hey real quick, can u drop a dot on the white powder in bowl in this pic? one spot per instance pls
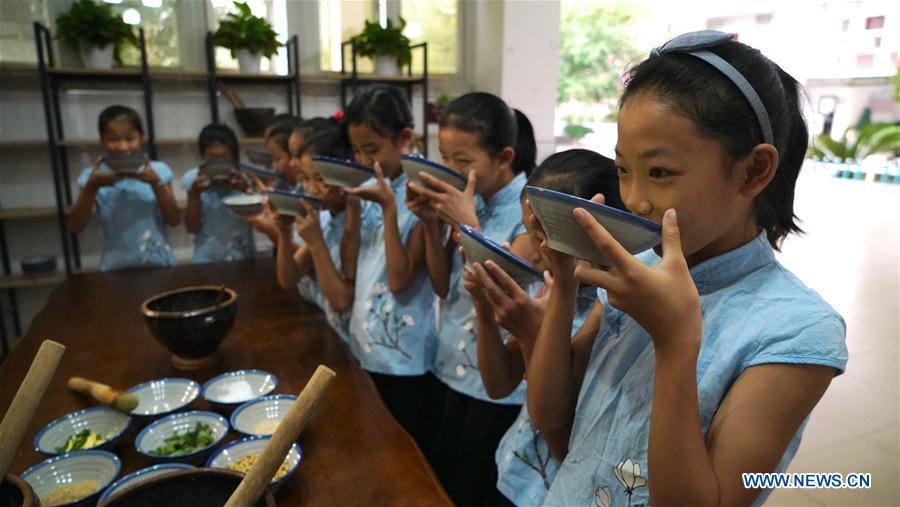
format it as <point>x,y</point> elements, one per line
<point>235,393</point>
<point>266,427</point>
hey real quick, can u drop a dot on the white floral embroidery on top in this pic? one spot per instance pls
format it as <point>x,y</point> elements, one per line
<point>602,497</point>
<point>629,474</point>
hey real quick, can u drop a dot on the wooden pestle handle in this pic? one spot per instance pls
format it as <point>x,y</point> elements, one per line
<point>257,479</point>
<point>26,401</point>
<point>100,392</point>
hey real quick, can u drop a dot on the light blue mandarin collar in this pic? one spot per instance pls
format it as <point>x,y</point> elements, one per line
<point>509,193</point>
<point>399,182</point>
<point>726,269</point>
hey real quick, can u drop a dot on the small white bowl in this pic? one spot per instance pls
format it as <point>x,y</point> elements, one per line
<point>288,203</point>
<point>342,173</point>
<point>142,475</point>
<point>412,166</point>
<point>72,467</point>
<point>245,205</point>
<point>245,418</point>
<point>236,387</point>
<point>479,248</point>
<point>155,434</point>
<point>105,421</point>
<point>125,164</point>
<point>256,444</point>
<point>554,212</point>
<point>164,396</point>
<point>218,170</point>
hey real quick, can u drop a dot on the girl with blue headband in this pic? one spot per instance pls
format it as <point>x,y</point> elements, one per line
<point>709,355</point>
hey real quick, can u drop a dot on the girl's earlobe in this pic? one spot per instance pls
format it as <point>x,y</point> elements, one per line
<point>761,166</point>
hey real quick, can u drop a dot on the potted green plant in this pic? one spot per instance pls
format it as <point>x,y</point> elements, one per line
<point>248,37</point>
<point>95,31</point>
<point>386,45</point>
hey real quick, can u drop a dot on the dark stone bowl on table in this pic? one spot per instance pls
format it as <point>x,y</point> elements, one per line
<point>253,120</point>
<point>200,487</point>
<point>15,492</point>
<point>191,322</point>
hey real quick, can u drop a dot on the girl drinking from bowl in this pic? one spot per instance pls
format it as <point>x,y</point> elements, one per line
<point>393,315</point>
<point>277,138</point>
<point>315,267</point>
<point>133,209</point>
<point>493,145</point>
<point>220,235</point>
<point>525,468</point>
<point>710,354</point>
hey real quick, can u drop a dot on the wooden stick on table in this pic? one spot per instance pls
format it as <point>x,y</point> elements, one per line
<point>26,401</point>
<point>257,479</point>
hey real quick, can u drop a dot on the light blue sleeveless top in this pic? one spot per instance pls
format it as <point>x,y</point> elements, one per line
<point>393,333</point>
<point>754,312</point>
<point>223,236</point>
<point>525,468</point>
<point>133,230</point>
<point>456,360</point>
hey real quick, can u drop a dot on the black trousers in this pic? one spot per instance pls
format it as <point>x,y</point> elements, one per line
<point>465,438</point>
<point>405,398</point>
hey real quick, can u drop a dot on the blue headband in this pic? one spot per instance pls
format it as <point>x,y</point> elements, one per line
<point>696,44</point>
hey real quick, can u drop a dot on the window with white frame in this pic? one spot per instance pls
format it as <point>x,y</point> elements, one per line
<point>433,21</point>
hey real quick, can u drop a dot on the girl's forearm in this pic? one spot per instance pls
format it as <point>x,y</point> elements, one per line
<point>285,267</point>
<point>436,259</point>
<point>677,459</point>
<point>336,288</point>
<point>551,390</point>
<point>495,363</point>
<point>167,205</point>
<point>399,265</point>
<point>350,243</point>
<point>80,213</point>
<point>193,214</point>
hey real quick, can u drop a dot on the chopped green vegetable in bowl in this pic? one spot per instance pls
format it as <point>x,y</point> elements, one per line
<point>84,439</point>
<point>185,436</point>
<point>185,443</point>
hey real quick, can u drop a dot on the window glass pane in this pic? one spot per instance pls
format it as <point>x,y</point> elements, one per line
<point>338,21</point>
<point>159,20</point>
<point>16,32</point>
<point>434,22</point>
<point>275,11</point>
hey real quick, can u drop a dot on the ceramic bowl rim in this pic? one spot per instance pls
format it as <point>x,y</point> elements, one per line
<point>159,314</point>
<point>235,373</point>
<point>72,415</point>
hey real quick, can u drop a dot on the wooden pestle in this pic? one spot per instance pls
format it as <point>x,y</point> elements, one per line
<point>257,479</point>
<point>26,401</point>
<point>102,393</point>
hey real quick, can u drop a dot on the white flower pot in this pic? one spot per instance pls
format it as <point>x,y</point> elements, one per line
<point>247,61</point>
<point>98,58</point>
<point>386,65</point>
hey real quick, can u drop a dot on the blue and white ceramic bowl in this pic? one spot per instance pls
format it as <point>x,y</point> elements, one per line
<point>154,435</point>
<point>554,211</point>
<point>106,422</point>
<point>245,205</point>
<point>413,165</point>
<point>164,396</point>
<point>254,417</point>
<point>140,476</point>
<point>237,449</point>
<point>100,467</point>
<point>235,387</point>
<point>342,173</point>
<point>479,248</point>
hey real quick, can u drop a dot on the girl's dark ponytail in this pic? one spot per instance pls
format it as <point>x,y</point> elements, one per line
<point>526,148</point>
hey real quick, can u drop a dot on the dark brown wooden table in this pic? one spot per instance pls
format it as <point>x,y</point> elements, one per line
<point>354,452</point>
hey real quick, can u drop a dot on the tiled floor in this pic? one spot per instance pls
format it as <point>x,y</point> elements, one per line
<point>850,255</point>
